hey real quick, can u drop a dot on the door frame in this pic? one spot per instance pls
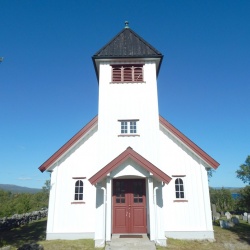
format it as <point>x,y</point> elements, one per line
<point>132,208</point>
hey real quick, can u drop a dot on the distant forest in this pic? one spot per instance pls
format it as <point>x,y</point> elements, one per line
<point>18,203</point>
<point>23,200</point>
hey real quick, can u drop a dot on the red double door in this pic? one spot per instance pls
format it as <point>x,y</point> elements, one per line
<point>129,206</point>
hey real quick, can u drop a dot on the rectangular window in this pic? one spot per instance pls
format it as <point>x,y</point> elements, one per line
<point>127,73</point>
<point>124,127</point>
<point>132,127</point>
<point>128,127</point>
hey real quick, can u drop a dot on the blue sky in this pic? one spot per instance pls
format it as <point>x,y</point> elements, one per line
<point>49,91</point>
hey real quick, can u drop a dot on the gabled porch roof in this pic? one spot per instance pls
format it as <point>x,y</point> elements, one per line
<point>129,153</point>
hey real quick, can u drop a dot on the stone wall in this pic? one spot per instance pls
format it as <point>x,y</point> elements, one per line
<point>18,220</point>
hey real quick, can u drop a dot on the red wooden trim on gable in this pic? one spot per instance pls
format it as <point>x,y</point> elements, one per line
<point>213,163</point>
<point>68,144</point>
<point>147,164</point>
<point>129,153</point>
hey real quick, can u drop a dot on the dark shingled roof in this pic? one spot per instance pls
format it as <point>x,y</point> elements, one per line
<point>127,44</point>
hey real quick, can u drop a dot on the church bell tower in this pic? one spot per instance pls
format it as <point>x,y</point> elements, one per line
<point>127,68</point>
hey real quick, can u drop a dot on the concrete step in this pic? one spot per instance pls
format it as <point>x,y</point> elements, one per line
<point>118,243</point>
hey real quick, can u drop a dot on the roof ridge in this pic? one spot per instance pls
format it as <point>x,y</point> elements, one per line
<point>110,41</point>
<point>145,42</point>
<point>115,51</point>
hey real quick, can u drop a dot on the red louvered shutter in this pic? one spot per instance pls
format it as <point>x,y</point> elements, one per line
<point>116,74</point>
<point>127,74</point>
<point>138,76</point>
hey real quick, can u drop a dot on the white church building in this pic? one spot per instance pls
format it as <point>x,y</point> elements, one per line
<point>129,171</point>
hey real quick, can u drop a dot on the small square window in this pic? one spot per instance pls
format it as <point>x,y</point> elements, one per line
<point>128,127</point>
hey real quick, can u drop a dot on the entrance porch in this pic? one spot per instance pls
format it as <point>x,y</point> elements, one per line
<point>129,198</point>
<point>122,211</point>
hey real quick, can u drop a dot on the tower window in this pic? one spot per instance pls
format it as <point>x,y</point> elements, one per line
<point>128,127</point>
<point>132,127</point>
<point>127,73</point>
<point>124,127</point>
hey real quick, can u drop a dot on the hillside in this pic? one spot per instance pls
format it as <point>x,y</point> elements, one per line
<point>19,189</point>
<point>231,189</point>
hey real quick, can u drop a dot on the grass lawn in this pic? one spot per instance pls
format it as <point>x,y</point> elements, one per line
<point>36,232</point>
<point>237,238</point>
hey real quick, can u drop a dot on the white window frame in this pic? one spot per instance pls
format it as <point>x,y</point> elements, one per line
<point>78,196</point>
<point>128,127</point>
<point>181,188</point>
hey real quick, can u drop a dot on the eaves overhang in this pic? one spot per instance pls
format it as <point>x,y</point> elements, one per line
<point>97,60</point>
